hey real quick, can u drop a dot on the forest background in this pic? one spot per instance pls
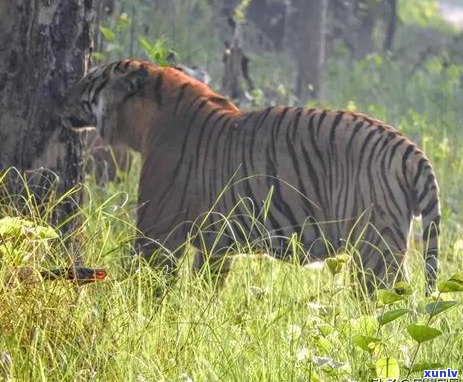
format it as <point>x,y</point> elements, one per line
<point>399,61</point>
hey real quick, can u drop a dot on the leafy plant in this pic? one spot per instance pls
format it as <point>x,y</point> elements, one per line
<point>157,51</point>
<point>386,365</point>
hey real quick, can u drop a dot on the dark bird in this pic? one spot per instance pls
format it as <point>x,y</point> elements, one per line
<point>78,275</point>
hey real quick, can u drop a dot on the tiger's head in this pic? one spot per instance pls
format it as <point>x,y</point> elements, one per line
<point>113,99</point>
<point>126,99</point>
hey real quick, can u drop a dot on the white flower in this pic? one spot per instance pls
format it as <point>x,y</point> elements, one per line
<point>302,354</point>
<point>185,377</point>
<point>294,332</point>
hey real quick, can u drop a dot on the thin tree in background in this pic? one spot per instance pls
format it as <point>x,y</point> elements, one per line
<point>236,79</point>
<point>391,25</point>
<point>358,24</point>
<point>45,47</point>
<point>306,39</point>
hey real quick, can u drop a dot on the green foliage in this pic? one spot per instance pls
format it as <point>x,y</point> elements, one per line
<point>336,264</point>
<point>422,333</point>
<point>112,38</point>
<point>433,309</point>
<point>21,240</point>
<point>271,316</point>
<point>12,228</point>
<point>391,315</point>
<point>423,13</point>
<point>380,343</point>
<point>157,51</point>
<point>366,343</point>
<point>145,29</point>
<point>387,297</point>
<point>273,320</point>
<point>108,34</point>
<point>453,284</point>
<point>240,10</point>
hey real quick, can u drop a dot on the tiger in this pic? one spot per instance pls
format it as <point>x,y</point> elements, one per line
<point>333,179</point>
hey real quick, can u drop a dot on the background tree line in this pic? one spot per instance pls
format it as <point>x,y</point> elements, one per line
<point>294,52</point>
<point>301,33</point>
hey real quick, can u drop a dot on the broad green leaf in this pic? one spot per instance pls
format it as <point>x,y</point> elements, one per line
<point>457,277</point>
<point>323,344</point>
<point>12,227</point>
<point>337,263</point>
<point>391,315</point>
<point>97,56</point>
<point>156,51</point>
<point>403,289</point>
<point>334,265</point>
<point>449,286</point>
<point>366,343</point>
<point>108,34</point>
<point>387,367</point>
<point>42,232</point>
<point>386,297</point>
<point>325,329</point>
<point>434,308</point>
<point>343,258</point>
<point>426,366</point>
<point>145,44</point>
<point>453,284</point>
<point>422,333</point>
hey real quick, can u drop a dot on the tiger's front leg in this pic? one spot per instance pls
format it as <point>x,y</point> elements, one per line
<point>380,267</point>
<point>160,258</point>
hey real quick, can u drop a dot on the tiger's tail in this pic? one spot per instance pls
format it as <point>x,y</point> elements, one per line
<point>426,192</point>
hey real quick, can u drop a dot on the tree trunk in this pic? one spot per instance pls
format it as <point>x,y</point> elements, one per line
<point>391,25</point>
<point>44,48</point>
<point>236,78</point>
<point>306,37</point>
<point>269,17</point>
<point>354,23</point>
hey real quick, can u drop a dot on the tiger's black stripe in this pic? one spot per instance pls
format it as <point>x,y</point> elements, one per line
<point>158,88</point>
<point>180,96</point>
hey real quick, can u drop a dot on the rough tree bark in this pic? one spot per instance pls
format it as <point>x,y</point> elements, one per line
<point>306,38</point>
<point>44,48</point>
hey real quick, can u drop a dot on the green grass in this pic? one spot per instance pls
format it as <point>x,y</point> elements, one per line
<point>272,319</point>
<point>268,323</point>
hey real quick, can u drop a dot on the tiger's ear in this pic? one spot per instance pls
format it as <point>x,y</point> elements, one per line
<point>133,81</point>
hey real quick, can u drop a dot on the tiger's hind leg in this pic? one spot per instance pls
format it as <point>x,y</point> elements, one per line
<point>215,244</point>
<point>214,269</point>
<point>378,267</point>
<point>165,262</point>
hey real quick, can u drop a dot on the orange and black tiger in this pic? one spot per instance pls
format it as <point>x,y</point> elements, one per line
<point>335,179</point>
